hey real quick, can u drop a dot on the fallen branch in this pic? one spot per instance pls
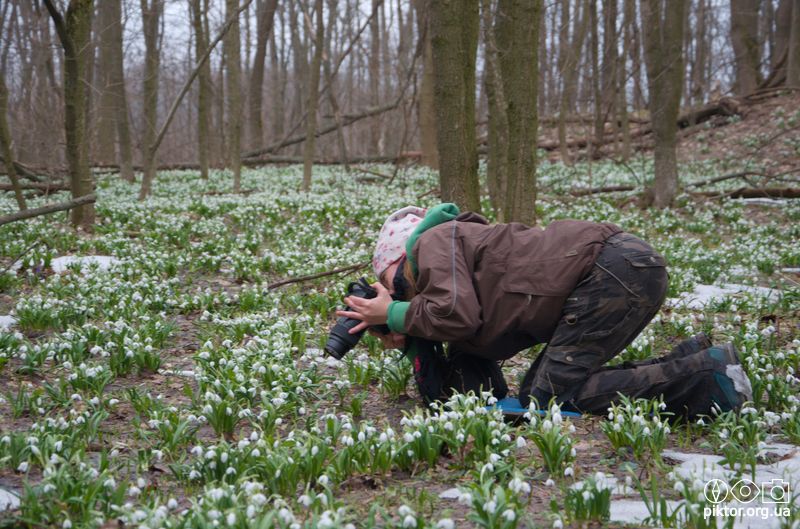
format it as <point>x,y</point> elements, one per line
<point>46,210</point>
<point>347,119</point>
<point>36,186</point>
<point>598,190</point>
<point>750,192</point>
<point>717,179</point>
<point>351,268</point>
<point>24,171</point>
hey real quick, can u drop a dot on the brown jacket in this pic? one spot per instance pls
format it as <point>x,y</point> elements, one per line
<point>494,290</point>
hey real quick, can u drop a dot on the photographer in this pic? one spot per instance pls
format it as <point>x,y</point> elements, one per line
<point>490,291</point>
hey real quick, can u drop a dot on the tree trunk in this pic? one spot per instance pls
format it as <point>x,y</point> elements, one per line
<point>662,23</point>
<point>106,107</point>
<point>454,29</point>
<point>313,96</point>
<point>793,58</point>
<point>151,15</point>
<point>74,32</point>
<point>783,31</point>
<point>331,82</point>
<point>497,118</point>
<point>517,38</point>
<point>375,78</point>
<point>699,80</point>
<point>117,80</point>
<point>744,37</point>
<point>266,16</point>
<point>231,47</point>
<point>203,88</point>
<point>5,143</point>
<point>426,114</point>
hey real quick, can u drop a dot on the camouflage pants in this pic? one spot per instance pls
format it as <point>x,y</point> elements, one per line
<point>601,317</point>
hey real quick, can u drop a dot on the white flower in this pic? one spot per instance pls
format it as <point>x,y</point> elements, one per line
<point>521,442</point>
<point>549,482</point>
<point>490,506</point>
<point>23,467</point>
<point>445,523</point>
<point>568,471</point>
<point>409,521</point>
<point>558,524</point>
<point>509,515</point>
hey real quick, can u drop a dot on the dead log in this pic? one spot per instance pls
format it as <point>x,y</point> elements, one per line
<point>46,210</point>
<point>24,171</point>
<point>598,190</point>
<point>751,192</point>
<point>43,186</point>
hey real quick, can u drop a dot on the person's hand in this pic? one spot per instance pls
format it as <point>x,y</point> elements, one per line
<point>370,311</point>
<point>393,340</point>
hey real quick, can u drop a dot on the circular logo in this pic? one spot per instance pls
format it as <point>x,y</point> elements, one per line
<point>716,491</point>
<point>745,491</point>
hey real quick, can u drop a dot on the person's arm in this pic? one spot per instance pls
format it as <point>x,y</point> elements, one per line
<point>446,307</point>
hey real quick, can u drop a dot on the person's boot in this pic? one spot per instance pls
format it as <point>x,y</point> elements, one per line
<point>731,387</point>
<point>695,344</point>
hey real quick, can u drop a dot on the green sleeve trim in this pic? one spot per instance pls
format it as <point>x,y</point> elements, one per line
<point>396,316</point>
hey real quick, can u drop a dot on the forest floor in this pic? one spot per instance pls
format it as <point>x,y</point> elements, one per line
<point>149,376</point>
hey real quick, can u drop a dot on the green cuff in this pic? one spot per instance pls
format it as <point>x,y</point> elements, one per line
<point>396,316</point>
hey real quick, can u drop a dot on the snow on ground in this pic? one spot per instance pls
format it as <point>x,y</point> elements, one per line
<point>62,264</point>
<point>8,500</point>
<point>7,321</point>
<point>703,295</point>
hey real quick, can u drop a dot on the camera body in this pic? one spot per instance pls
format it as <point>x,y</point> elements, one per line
<point>340,341</point>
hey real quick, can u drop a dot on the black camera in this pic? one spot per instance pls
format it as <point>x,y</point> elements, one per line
<point>340,341</point>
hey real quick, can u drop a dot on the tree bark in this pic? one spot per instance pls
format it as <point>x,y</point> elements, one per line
<point>517,38</point>
<point>5,143</point>
<point>426,115</point>
<point>151,16</point>
<point>662,22</point>
<point>744,38</point>
<point>454,37</point>
<point>266,17</point>
<point>203,88</point>
<point>313,97</point>
<point>231,46</point>
<point>793,58</point>
<point>74,32</point>
<point>497,137</point>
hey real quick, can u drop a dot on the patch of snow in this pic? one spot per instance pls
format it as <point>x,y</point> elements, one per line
<point>612,483</point>
<point>707,466</point>
<point>790,270</point>
<point>6,322</point>
<point>450,494</point>
<point>8,500</point>
<point>702,295</point>
<point>62,264</point>
<point>633,511</point>
<point>764,201</point>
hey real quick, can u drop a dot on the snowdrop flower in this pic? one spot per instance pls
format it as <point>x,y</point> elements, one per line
<point>490,506</point>
<point>509,515</point>
<point>445,523</point>
<point>521,443</point>
<point>568,471</point>
<point>549,482</point>
<point>558,524</point>
<point>23,467</point>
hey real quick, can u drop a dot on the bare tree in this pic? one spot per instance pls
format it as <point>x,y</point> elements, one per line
<point>662,21</point>
<point>5,143</point>
<point>112,109</point>
<point>265,22</point>
<point>199,26</point>
<point>74,32</point>
<point>744,37</point>
<point>425,109</point>
<point>454,36</point>
<point>231,46</point>
<point>517,38</point>
<point>151,16</point>
<point>313,95</point>
<point>793,52</point>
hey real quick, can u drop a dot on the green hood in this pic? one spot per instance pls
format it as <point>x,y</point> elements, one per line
<point>433,217</point>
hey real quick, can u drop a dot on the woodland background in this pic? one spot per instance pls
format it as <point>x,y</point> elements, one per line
<point>123,85</point>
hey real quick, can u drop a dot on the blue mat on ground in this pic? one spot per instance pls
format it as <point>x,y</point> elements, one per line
<point>512,405</point>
